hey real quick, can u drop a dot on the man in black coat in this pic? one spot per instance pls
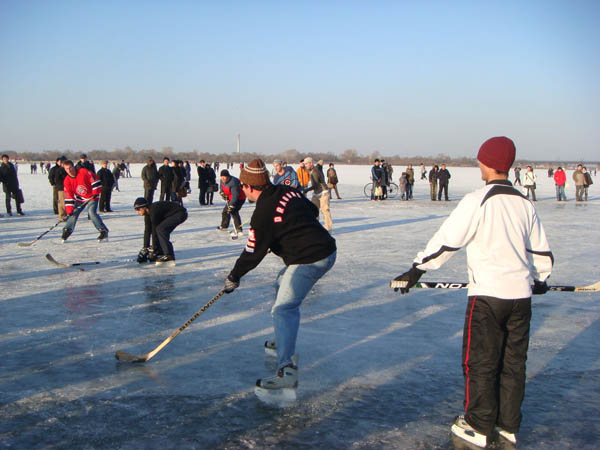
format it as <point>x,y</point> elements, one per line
<point>160,219</point>
<point>443,177</point>
<point>56,182</point>
<point>8,175</point>
<point>165,174</point>
<point>108,180</point>
<point>150,179</point>
<point>202,181</point>
<point>83,162</point>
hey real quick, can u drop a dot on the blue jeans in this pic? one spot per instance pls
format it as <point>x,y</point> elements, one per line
<point>295,283</point>
<point>560,193</point>
<point>92,208</point>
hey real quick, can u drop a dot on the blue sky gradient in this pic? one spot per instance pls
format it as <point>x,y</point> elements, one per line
<point>407,78</point>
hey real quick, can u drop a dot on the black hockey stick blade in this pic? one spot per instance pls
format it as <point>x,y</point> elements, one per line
<point>50,258</point>
<point>128,357</point>
<point>450,285</point>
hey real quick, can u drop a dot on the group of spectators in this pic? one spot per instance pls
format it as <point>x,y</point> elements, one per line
<point>581,177</point>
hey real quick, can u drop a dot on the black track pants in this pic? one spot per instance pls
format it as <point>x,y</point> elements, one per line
<point>495,342</point>
<point>164,230</point>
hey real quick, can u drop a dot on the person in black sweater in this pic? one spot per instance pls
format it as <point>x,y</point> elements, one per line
<point>286,223</point>
<point>202,170</point>
<point>212,185</point>
<point>8,176</point>
<point>56,176</point>
<point>443,177</point>
<point>160,219</point>
<point>108,181</point>
<point>150,179</point>
<point>85,163</point>
<point>165,174</point>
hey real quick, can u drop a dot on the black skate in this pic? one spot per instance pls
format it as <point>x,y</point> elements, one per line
<point>103,236</point>
<point>65,234</point>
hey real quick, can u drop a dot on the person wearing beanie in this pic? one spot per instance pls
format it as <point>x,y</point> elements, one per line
<point>235,198</point>
<point>160,219</point>
<point>507,252</point>
<point>85,163</point>
<point>286,223</point>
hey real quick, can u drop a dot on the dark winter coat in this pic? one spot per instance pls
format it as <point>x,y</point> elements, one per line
<point>158,211</point>
<point>8,175</point>
<point>150,176</point>
<point>107,178</point>
<point>86,165</point>
<point>286,223</point>
<point>165,174</point>
<point>56,177</point>
<point>433,176</point>
<point>202,176</point>
<point>443,176</point>
<point>377,174</point>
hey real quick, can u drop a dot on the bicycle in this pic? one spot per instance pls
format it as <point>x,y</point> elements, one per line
<point>392,190</point>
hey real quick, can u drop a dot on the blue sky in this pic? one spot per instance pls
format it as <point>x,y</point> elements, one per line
<point>408,78</point>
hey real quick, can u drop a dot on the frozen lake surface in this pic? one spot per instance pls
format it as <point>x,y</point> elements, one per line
<point>377,370</point>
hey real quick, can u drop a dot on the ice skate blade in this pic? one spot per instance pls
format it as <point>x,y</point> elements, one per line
<point>165,264</point>
<point>477,439</point>
<point>276,397</point>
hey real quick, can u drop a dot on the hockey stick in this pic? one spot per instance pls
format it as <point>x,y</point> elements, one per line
<point>128,357</point>
<point>50,258</point>
<point>29,244</point>
<point>447,285</point>
<point>235,236</point>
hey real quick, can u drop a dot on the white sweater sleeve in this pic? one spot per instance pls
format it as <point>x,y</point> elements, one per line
<point>538,252</point>
<point>456,232</point>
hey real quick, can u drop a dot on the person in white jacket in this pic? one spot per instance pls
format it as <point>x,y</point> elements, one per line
<point>529,182</point>
<point>507,249</point>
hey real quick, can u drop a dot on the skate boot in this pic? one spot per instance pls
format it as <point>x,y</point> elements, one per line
<point>463,430</point>
<point>279,389</point>
<point>271,348</point>
<point>65,234</point>
<point>220,228</point>
<point>103,236</point>
<point>166,260</point>
<point>510,437</point>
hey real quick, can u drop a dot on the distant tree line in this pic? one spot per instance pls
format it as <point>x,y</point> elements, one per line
<point>292,156</point>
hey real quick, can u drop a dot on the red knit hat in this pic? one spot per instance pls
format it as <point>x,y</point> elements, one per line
<point>497,153</point>
<point>255,173</point>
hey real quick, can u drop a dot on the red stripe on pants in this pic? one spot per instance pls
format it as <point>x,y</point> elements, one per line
<point>467,355</point>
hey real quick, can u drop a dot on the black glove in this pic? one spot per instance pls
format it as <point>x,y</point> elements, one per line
<point>224,196</point>
<point>143,256</point>
<point>411,277</point>
<point>230,285</point>
<point>539,287</point>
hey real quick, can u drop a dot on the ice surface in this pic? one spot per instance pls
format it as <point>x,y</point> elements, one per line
<point>377,369</point>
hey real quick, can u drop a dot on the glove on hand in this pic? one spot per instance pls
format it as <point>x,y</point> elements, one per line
<point>411,277</point>
<point>143,256</point>
<point>224,196</point>
<point>230,285</point>
<point>539,287</point>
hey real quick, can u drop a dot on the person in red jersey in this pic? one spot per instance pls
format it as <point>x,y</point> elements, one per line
<point>82,190</point>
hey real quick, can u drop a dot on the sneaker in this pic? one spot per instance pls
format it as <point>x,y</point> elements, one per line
<point>463,430</point>
<point>103,236</point>
<point>285,378</point>
<point>510,437</point>
<point>65,234</point>
<point>220,228</point>
<point>21,213</point>
<point>168,260</point>
<point>270,348</point>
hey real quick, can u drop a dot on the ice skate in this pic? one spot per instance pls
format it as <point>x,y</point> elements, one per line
<point>280,389</point>
<point>463,430</point>
<point>510,437</point>
<point>271,348</point>
<point>166,260</point>
<point>65,234</point>
<point>103,236</point>
<point>220,228</point>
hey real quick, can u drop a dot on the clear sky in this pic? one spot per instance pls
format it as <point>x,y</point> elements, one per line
<point>407,78</point>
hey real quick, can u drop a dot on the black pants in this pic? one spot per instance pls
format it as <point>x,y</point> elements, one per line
<point>8,207</point>
<point>444,188</point>
<point>494,352</point>
<point>105,195</point>
<point>165,193</point>
<point>203,198</point>
<point>235,213</point>
<point>163,232</point>
<point>55,199</point>
<point>149,195</point>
